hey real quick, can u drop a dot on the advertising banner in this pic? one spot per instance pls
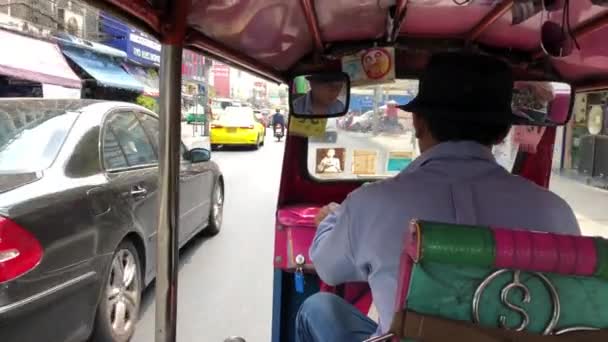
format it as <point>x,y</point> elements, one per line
<point>221,79</point>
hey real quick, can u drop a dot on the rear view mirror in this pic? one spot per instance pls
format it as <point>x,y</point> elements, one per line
<point>319,95</point>
<point>541,103</point>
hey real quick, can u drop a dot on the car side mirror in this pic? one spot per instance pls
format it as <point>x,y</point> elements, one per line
<point>199,155</point>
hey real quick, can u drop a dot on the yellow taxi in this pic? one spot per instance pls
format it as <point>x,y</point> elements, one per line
<point>237,126</point>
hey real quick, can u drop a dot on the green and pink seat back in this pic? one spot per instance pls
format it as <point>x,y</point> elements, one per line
<point>540,283</point>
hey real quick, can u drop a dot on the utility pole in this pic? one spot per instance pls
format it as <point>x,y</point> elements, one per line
<point>206,72</point>
<point>377,101</point>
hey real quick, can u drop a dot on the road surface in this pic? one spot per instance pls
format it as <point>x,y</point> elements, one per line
<point>225,282</point>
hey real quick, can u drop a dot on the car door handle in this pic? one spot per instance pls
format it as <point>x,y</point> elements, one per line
<point>139,192</point>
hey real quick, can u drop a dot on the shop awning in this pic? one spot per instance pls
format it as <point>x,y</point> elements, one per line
<point>35,60</point>
<point>146,76</point>
<point>104,69</point>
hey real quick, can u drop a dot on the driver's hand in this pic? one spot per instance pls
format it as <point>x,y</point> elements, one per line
<point>326,210</point>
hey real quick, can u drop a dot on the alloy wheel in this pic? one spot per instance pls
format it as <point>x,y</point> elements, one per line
<point>218,205</point>
<point>123,294</point>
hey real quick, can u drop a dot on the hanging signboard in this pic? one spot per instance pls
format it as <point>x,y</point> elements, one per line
<point>371,66</point>
<point>139,46</point>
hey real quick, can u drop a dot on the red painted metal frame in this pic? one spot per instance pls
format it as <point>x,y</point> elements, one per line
<point>308,7</point>
<point>592,86</point>
<point>582,30</point>
<point>140,9</point>
<point>399,17</point>
<point>496,13</point>
<point>537,167</point>
<point>591,25</point>
<point>210,47</point>
<point>173,29</point>
<point>298,187</point>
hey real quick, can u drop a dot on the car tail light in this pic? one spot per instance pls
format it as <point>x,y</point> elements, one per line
<point>247,127</point>
<point>20,252</point>
<point>216,126</point>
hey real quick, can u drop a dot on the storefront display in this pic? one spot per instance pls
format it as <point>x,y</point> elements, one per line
<point>100,68</point>
<point>35,68</point>
<point>586,140</point>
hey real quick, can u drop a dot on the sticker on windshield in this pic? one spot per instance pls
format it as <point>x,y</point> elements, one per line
<point>398,160</point>
<point>330,160</point>
<point>307,127</point>
<point>364,162</point>
<point>371,66</point>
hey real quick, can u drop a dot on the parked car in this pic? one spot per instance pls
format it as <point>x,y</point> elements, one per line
<point>261,117</point>
<point>237,126</point>
<point>78,216</point>
<point>331,130</point>
<point>362,123</point>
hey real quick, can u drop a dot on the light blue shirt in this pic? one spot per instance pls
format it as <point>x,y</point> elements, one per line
<point>453,182</point>
<point>303,105</point>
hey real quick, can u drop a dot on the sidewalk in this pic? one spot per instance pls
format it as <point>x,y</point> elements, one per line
<point>590,204</point>
<point>194,139</point>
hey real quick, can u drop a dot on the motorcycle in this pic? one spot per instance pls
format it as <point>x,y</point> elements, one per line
<point>278,131</point>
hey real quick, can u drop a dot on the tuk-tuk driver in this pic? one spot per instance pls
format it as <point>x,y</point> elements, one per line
<point>322,98</point>
<point>463,108</point>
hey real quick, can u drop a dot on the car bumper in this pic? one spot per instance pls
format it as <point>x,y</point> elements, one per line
<point>222,138</point>
<point>63,312</point>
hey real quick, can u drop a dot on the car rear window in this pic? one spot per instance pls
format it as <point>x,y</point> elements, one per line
<point>237,116</point>
<point>30,141</point>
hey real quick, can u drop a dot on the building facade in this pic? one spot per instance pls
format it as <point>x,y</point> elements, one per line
<point>49,17</point>
<point>583,143</point>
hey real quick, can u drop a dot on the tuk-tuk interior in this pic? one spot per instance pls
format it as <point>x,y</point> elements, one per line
<point>553,41</point>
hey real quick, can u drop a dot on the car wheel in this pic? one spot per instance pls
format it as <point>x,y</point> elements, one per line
<point>216,214</point>
<point>258,143</point>
<point>118,310</point>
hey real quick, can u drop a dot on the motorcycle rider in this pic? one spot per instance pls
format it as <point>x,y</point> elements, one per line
<point>278,119</point>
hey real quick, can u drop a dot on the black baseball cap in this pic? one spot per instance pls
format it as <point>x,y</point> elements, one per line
<point>325,77</point>
<point>465,87</point>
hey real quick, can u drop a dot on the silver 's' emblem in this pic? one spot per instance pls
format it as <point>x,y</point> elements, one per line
<point>517,284</point>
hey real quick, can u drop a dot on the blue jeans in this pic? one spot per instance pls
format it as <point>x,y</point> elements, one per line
<point>327,317</point>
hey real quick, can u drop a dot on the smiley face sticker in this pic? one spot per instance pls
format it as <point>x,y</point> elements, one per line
<point>376,63</point>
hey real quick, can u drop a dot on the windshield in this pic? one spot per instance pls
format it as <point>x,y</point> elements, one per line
<point>363,145</point>
<point>375,139</point>
<point>30,141</point>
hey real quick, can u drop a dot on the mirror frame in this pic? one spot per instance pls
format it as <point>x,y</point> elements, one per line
<point>304,116</point>
<point>569,114</point>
